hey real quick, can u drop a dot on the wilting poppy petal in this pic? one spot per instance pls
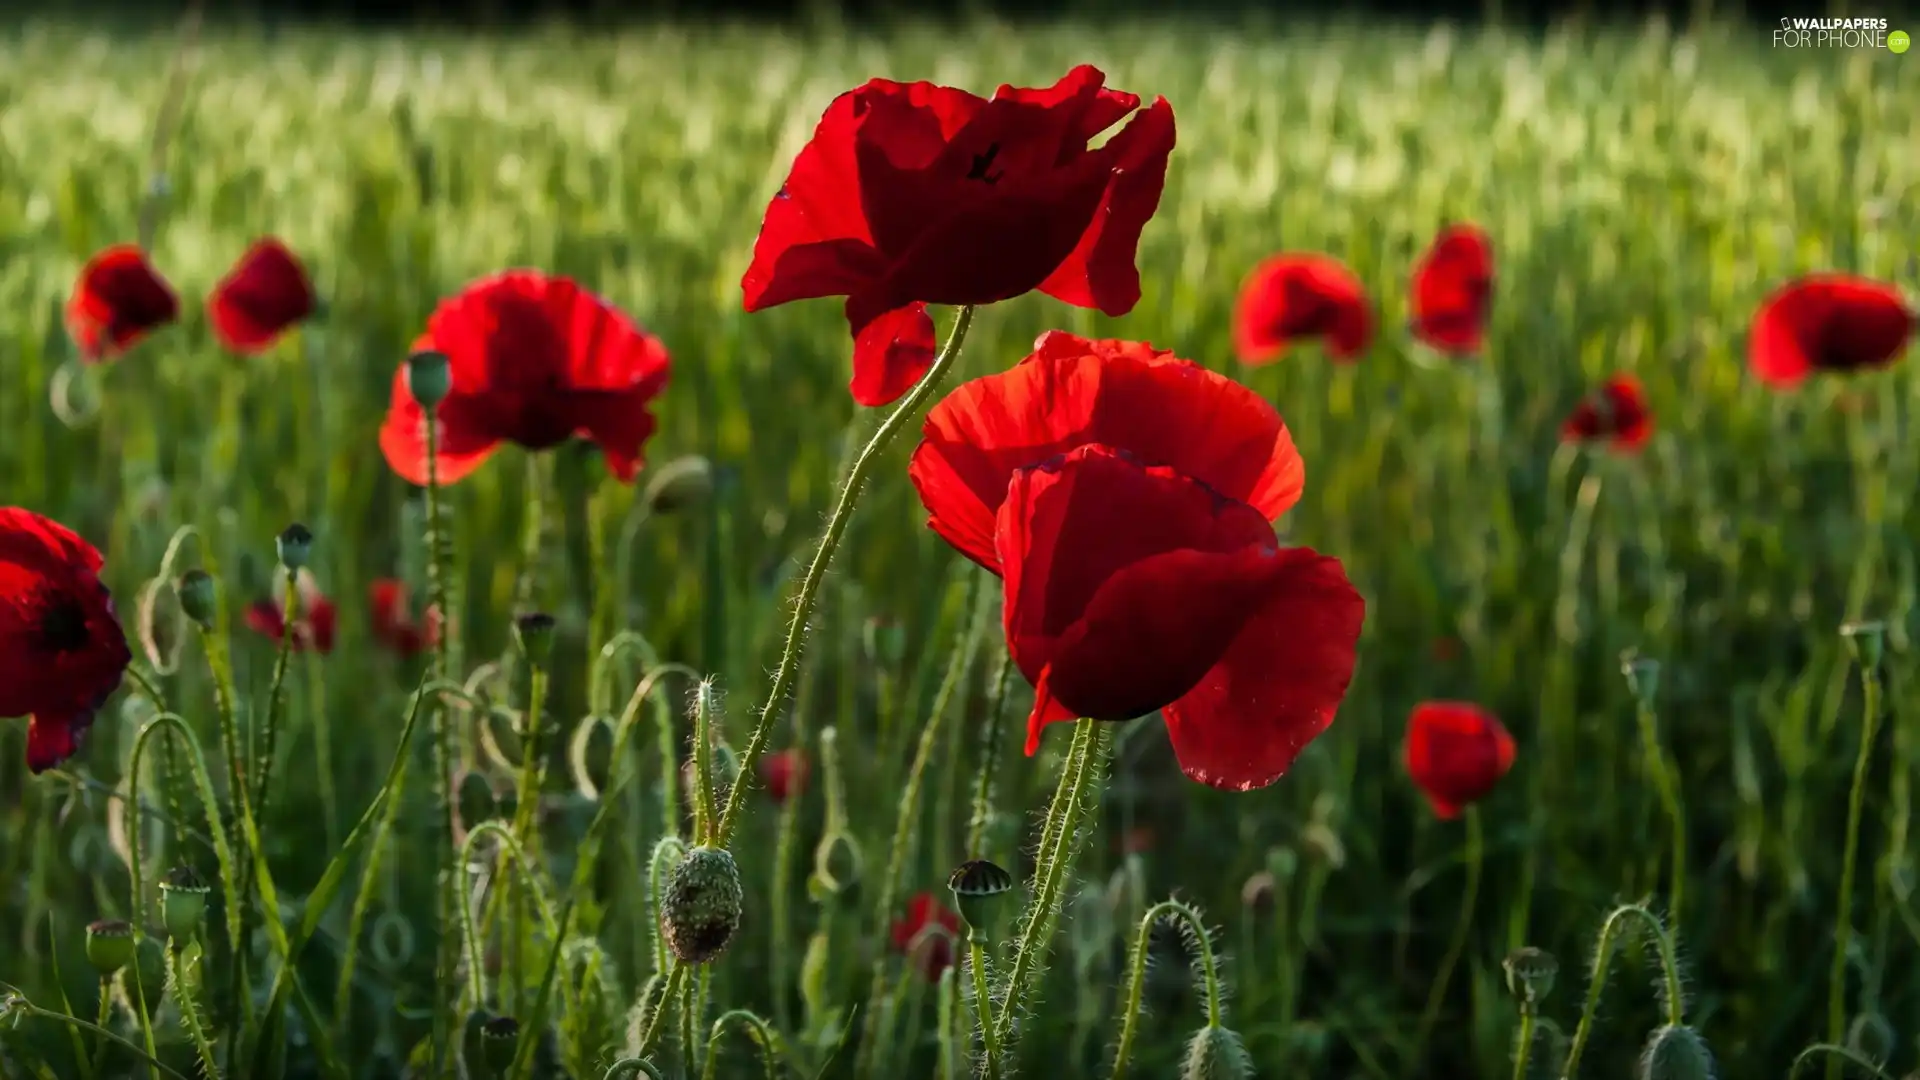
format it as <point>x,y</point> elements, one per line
<point>891,354</point>
<point>911,193</point>
<point>1072,392</point>
<point>264,295</point>
<point>1294,297</point>
<point>1615,414</point>
<point>1455,754</point>
<point>1453,291</point>
<point>62,651</point>
<point>927,934</point>
<point>1827,322</point>
<point>118,300</point>
<point>536,361</point>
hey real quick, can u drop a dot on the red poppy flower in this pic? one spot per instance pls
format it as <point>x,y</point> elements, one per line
<point>927,934</point>
<point>535,360</point>
<point>1827,322</point>
<point>1294,297</point>
<point>1615,414</point>
<point>785,773</point>
<point>1132,589</point>
<point>393,623</point>
<point>265,294</point>
<point>912,194</point>
<point>1453,290</point>
<point>62,652</point>
<point>1456,753</point>
<point>1074,392</point>
<point>313,627</point>
<point>119,299</point>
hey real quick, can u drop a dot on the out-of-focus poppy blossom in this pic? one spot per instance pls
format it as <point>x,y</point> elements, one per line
<point>262,297</point>
<point>1294,297</point>
<point>926,935</point>
<point>911,194</point>
<point>313,624</point>
<point>1827,322</point>
<point>535,360</point>
<point>393,623</point>
<point>1456,753</point>
<point>62,651</point>
<point>1453,291</point>
<point>119,299</point>
<point>1615,414</point>
<point>785,773</point>
<point>1074,392</point>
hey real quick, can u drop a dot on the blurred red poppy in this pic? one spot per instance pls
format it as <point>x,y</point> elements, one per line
<point>1456,753</point>
<point>119,299</point>
<point>1615,414</point>
<point>1827,322</point>
<point>1453,291</point>
<point>1300,296</point>
<point>263,296</point>
<point>393,623</point>
<point>911,194</point>
<point>785,773</point>
<point>927,935</point>
<point>1073,392</point>
<point>535,361</point>
<point>313,625</point>
<point>62,652</point>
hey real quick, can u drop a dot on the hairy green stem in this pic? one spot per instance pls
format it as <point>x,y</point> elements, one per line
<point>990,750</point>
<point>1171,911</point>
<point>1668,789</point>
<point>441,749</point>
<point>1843,923</point>
<point>276,694</point>
<point>1523,1053</point>
<point>983,1005</point>
<point>1603,950</point>
<point>148,1055</point>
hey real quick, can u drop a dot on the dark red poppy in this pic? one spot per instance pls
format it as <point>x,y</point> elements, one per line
<point>1453,291</point>
<point>62,652</point>
<point>536,360</point>
<point>1827,322</point>
<point>911,194</point>
<point>119,299</point>
<point>313,625</point>
<point>927,935</point>
<point>262,297</point>
<point>1074,392</point>
<point>1615,414</point>
<point>393,623</point>
<point>1456,753</point>
<point>1296,297</point>
<point>785,773</point>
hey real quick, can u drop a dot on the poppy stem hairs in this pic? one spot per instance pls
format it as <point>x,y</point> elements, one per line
<point>1673,1002</point>
<point>817,569</point>
<point>1194,929</point>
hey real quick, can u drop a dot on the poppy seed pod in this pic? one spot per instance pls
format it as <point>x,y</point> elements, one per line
<point>195,592</point>
<point>429,377</point>
<point>1216,1053</point>
<point>183,902</point>
<point>534,633</point>
<point>1530,974</point>
<point>499,1038</point>
<point>977,888</point>
<point>109,945</point>
<point>1866,641</point>
<point>680,483</point>
<point>701,908</point>
<point>294,545</point>
<point>1676,1053</point>
<point>1643,676</point>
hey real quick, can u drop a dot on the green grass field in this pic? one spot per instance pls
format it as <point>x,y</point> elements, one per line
<point>1644,192</point>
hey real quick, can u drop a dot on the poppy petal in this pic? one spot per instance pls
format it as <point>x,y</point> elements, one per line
<point>1279,683</point>
<point>1452,290</point>
<point>1101,272</point>
<point>62,649</point>
<point>53,739</point>
<point>403,439</point>
<point>264,617</point>
<point>118,300</point>
<point>1456,753</point>
<point>264,294</point>
<point>1300,296</point>
<point>890,354</point>
<point>1827,322</point>
<point>387,607</point>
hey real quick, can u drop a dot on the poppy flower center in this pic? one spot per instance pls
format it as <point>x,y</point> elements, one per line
<point>63,626</point>
<point>982,163</point>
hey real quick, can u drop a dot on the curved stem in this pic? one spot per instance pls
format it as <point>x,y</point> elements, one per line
<point>816,575</point>
<point>527,878</point>
<point>1603,960</point>
<point>1437,994</point>
<point>153,1062</point>
<point>628,1068</point>
<point>1668,789</point>
<point>1836,1054</point>
<point>1175,911</point>
<point>1843,923</point>
<point>990,748</point>
<point>676,978</point>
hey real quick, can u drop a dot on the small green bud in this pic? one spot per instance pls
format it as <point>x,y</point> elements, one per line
<point>499,1038</point>
<point>680,483</point>
<point>183,902</point>
<point>702,905</point>
<point>1216,1053</point>
<point>1643,676</point>
<point>885,641</point>
<point>977,888</point>
<point>294,545</point>
<point>429,378</point>
<point>1872,1037</point>
<point>1530,974</point>
<point>1867,641</point>
<point>194,589</point>
<point>534,633</point>
<point>109,945</point>
<point>1676,1053</point>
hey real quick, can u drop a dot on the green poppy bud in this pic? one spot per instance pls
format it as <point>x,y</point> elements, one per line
<point>1867,641</point>
<point>1530,974</point>
<point>534,632</point>
<point>1216,1053</point>
<point>978,886</point>
<point>109,945</point>
<point>702,906</point>
<point>196,594</point>
<point>183,902</point>
<point>1676,1053</point>
<point>429,378</point>
<point>680,483</point>
<point>295,546</point>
